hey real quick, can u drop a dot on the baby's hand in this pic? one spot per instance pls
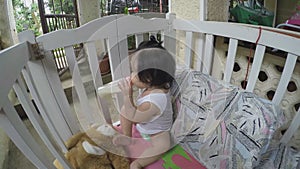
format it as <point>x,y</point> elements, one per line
<point>126,87</point>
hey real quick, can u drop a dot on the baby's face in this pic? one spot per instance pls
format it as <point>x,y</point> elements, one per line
<point>134,75</point>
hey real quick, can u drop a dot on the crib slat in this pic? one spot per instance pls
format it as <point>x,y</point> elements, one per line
<point>45,99</point>
<point>86,114</point>
<point>241,32</point>
<point>37,123</point>
<point>170,35</point>
<point>208,54</point>
<point>94,64</point>
<point>188,48</point>
<point>58,92</point>
<point>232,48</point>
<point>42,109</point>
<point>19,134</point>
<point>97,79</point>
<point>113,53</point>
<point>120,60</point>
<point>124,64</point>
<point>292,129</point>
<point>138,39</point>
<point>200,41</point>
<point>285,78</point>
<point>258,58</point>
<point>13,59</point>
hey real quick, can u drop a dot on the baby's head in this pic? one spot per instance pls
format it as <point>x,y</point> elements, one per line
<point>152,43</point>
<point>154,65</point>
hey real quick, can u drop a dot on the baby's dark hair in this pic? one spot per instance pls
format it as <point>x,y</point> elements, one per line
<point>155,65</point>
<point>152,43</point>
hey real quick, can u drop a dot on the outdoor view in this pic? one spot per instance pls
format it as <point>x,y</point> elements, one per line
<point>62,14</point>
<point>154,84</point>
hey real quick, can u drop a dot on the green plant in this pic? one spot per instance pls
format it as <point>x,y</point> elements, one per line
<point>27,17</point>
<point>103,7</point>
<point>298,5</point>
<point>61,6</point>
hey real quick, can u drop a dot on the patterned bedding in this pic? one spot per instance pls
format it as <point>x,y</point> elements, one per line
<point>225,127</point>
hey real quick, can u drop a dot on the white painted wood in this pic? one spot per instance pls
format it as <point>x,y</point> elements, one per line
<point>203,10</point>
<point>200,50</point>
<point>61,38</point>
<point>170,35</point>
<point>129,25</point>
<point>208,54</point>
<point>285,78</point>
<point>170,5</point>
<point>232,48</point>
<point>123,68</point>
<point>138,39</point>
<point>113,53</point>
<point>13,59</point>
<point>124,64</point>
<point>40,105</point>
<point>94,63</point>
<point>37,122</point>
<point>292,129</point>
<point>19,134</point>
<point>46,98</point>
<point>188,48</point>
<point>85,113</point>
<point>59,94</point>
<point>271,37</point>
<point>26,35</point>
<point>45,86</point>
<point>256,65</point>
<point>97,79</point>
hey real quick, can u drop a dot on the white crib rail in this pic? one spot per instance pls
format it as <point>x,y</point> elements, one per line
<point>52,117</point>
<point>237,33</point>
<point>14,62</point>
<point>263,36</point>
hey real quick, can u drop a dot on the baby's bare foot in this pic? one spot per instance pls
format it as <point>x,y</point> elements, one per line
<point>122,140</point>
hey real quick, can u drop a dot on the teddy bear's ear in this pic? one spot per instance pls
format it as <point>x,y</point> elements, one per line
<point>106,130</point>
<point>90,149</point>
<point>74,140</point>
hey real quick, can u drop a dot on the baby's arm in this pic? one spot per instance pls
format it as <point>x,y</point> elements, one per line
<point>142,113</point>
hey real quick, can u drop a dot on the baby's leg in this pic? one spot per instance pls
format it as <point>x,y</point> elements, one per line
<point>161,144</point>
<point>143,162</point>
<point>126,125</point>
<point>121,140</point>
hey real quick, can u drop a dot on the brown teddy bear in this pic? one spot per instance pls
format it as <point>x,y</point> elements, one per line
<point>86,150</point>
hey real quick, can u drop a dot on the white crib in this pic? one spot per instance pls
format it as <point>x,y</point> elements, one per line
<point>28,69</point>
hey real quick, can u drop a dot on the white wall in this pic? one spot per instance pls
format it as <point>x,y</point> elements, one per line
<point>216,10</point>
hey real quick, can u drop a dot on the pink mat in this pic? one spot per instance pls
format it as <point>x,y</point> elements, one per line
<point>176,158</point>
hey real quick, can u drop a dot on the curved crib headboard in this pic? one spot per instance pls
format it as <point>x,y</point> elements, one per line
<point>29,70</point>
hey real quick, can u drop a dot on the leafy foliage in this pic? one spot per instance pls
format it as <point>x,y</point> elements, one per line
<point>61,6</point>
<point>27,17</point>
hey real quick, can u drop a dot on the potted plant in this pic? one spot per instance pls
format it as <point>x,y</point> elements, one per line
<point>104,64</point>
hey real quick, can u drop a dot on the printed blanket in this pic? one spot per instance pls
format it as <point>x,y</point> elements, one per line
<point>221,125</point>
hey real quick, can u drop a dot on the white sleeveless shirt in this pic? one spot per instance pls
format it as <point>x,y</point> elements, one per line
<point>161,122</point>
